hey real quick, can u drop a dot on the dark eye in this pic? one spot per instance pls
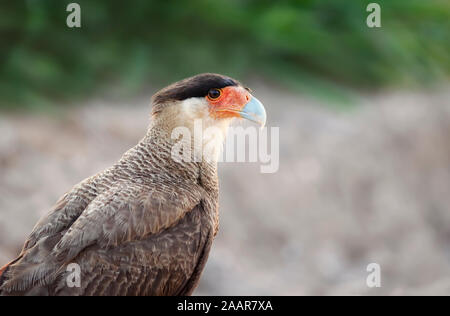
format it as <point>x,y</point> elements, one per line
<point>214,94</point>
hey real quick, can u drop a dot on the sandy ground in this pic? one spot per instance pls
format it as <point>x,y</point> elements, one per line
<point>354,187</point>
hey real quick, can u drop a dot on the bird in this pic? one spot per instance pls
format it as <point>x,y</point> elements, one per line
<point>145,225</point>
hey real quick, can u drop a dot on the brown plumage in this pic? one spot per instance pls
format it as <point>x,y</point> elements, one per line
<point>141,227</point>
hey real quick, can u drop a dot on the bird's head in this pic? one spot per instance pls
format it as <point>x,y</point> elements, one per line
<point>209,101</point>
<point>215,99</point>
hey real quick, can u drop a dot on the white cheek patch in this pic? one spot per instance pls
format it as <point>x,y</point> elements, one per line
<point>208,131</point>
<point>194,108</point>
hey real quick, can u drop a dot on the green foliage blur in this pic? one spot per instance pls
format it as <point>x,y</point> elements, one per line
<point>316,46</point>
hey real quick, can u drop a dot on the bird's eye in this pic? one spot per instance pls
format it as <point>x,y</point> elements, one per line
<point>214,94</point>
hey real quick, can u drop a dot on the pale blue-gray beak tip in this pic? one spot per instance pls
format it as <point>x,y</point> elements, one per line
<point>254,111</point>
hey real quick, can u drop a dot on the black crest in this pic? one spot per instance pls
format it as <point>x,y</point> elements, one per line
<point>197,86</point>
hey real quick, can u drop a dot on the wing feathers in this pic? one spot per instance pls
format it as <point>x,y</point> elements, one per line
<point>144,220</point>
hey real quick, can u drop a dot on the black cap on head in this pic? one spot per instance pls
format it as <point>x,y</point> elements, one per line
<point>196,86</point>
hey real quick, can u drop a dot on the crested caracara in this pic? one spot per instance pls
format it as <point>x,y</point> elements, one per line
<point>145,225</point>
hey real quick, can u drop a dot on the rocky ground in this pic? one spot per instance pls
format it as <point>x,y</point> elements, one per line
<point>369,184</point>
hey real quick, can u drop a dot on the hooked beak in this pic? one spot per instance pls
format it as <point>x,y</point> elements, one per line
<point>254,111</point>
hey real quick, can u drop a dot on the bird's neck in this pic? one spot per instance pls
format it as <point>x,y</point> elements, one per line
<point>160,152</point>
<point>190,140</point>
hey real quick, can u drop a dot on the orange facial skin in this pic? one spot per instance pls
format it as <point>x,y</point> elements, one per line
<point>229,103</point>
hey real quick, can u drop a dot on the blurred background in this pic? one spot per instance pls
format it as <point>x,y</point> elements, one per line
<point>364,117</point>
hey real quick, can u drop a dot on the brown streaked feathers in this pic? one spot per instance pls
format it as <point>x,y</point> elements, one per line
<point>142,227</point>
